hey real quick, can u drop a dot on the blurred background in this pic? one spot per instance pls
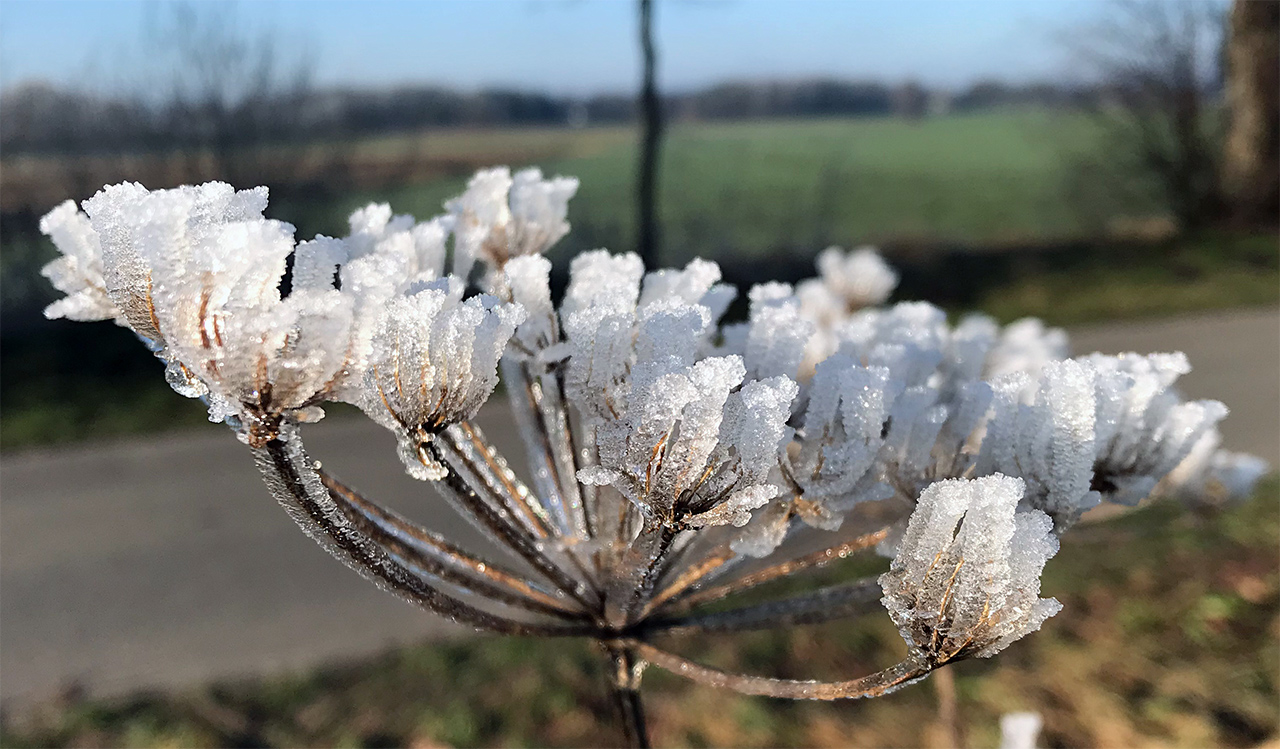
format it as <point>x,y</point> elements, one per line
<point>1108,166</point>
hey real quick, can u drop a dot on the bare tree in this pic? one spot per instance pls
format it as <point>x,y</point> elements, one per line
<point>1156,63</point>
<point>231,89</point>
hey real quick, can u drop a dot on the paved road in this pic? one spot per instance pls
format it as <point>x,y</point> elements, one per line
<point>164,563</point>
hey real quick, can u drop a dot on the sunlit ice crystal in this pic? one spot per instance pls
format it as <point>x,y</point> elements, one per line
<point>860,278</point>
<point>434,363</point>
<point>908,338</point>
<point>1213,477</point>
<point>968,348</point>
<point>1145,429</point>
<point>966,579</point>
<point>696,283</point>
<point>692,450</point>
<point>383,256</point>
<point>658,408</point>
<point>599,318</point>
<point>1026,346</point>
<point>78,271</point>
<point>500,217</point>
<point>411,251</point>
<point>197,271</point>
<point>777,334</point>
<point>1050,441</point>
<point>752,432</point>
<point>219,305</point>
<point>842,434</point>
<point>846,284</point>
<point>529,281</point>
<point>135,225</point>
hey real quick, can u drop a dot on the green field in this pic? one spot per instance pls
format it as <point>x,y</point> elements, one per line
<point>1167,638</point>
<point>750,189</point>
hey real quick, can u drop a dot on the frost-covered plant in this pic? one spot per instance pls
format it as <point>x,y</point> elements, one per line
<point>674,461</point>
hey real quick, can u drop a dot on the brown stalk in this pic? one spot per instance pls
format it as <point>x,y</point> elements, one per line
<point>875,685</point>
<point>512,494</point>
<point>689,577</point>
<point>815,559</point>
<point>499,521</point>
<point>534,517</point>
<point>285,466</point>
<point>482,576</point>
<point>814,607</point>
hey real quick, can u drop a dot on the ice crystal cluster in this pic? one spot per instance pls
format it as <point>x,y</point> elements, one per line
<point>674,458</point>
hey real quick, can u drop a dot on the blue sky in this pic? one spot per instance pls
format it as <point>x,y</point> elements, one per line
<point>570,46</point>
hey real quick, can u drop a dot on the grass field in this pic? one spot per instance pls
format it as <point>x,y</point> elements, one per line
<point>750,189</point>
<point>1168,637</point>
<point>727,189</point>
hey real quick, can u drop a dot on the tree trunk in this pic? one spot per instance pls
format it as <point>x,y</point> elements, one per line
<point>1251,153</point>
<point>651,136</point>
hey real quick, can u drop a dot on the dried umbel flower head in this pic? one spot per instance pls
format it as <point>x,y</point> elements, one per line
<point>966,580</point>
<point>196,272</point>
<point>674,461</point>
<point>434,363</point>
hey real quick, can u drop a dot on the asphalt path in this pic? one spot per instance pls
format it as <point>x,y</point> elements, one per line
<point>164,563</point>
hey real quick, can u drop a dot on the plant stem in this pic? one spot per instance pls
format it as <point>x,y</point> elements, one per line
<point>290,475</point>
<point>881,683</point>
<point>624,679</point>
<point>944,683</point>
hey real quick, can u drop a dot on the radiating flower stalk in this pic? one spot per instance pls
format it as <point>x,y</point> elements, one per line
<point>674,461</point>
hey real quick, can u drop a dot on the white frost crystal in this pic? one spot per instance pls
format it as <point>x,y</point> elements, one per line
<point>1144,428</point>
<point>843,432</point>
<point>777,334</point>
<point>529,280</point>
<point>690,441</point>
<point>383,257</point>
<point>846,284</point>
<point>1209,476</point>
<point>691,285</point>
<point>599,316</point>
<point>78,272</point>
<point>131,222</point>
<point>860,278</point>
<point>966,580</point>
<point>692,448</point>
<point>1026,346</point>
<point>1099,427</point>
<point>1049,442</point>
<point>197,271</point>
<point>434,363</point>
<point>500,217</point>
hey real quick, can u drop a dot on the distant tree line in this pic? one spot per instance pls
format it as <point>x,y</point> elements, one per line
<point>37,117</point>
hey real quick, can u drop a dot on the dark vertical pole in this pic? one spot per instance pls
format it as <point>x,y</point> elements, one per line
<point>651,136</point>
